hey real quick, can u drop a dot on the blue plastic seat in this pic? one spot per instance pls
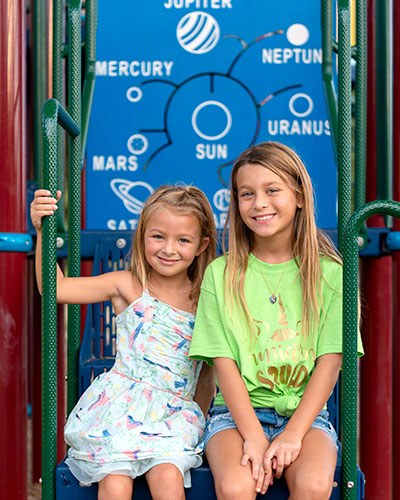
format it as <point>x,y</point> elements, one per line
<point>97,356</point>
<point>67,486</point>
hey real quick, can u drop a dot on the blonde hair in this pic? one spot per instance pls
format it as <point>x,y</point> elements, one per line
<point>183,200</point>
<point>308,242</point>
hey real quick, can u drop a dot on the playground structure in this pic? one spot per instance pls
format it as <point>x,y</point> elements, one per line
<point>373,175</point>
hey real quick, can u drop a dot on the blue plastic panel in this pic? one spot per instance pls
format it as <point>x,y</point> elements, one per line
<point>183,86</point>
<point>377,241</point>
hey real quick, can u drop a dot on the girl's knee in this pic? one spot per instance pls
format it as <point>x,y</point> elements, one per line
<point>235,488</point>
<point>115,488</point>
<point>311,487</point>
<point>166,483</point>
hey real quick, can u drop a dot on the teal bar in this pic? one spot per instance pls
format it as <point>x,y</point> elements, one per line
<point>393,240</point>
<point>15,242</point>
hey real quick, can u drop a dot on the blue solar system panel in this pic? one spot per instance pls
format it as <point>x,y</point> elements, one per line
<point>184,86</point>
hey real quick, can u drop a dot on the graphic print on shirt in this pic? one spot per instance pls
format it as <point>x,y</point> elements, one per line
<point>274,369</point>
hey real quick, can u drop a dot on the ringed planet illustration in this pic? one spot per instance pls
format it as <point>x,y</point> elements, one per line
<point>133,194</point>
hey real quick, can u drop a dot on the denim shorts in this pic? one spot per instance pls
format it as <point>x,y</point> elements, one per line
<point>273,424</point>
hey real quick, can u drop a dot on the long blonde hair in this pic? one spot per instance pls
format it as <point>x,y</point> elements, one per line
<point>308,242</point>
<point>183,200</point>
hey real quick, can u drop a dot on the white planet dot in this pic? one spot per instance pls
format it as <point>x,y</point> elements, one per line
<point>297,34</point>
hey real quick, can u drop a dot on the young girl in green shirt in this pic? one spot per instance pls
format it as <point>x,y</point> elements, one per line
<point>269,319</point>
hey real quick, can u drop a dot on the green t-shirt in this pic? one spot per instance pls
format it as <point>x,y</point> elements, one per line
<point>276,363</point>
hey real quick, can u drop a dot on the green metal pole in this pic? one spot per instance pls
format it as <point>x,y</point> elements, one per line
<point>58,93</point>
<point>74,193</point>
<point>383,101</point>
<point>344,183</point>
<point>360,128</point>
<point>360,132</point>
<point>39,80</point>
<point>344,126</point>
<point>350,329</point>
<point>90,67</point>
<point>49,311</point>
<point>327,71</point>
<point>53,113</point>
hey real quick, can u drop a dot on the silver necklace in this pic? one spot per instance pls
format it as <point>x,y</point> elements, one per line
<point>272,297</point>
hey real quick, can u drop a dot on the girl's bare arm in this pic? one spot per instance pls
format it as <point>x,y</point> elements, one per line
<point>205,389</point>
<point>80,290</point>
<point>238,402</point>
<point>286,447</point>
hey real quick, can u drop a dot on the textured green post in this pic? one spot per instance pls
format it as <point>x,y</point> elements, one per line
<point>344,126</point>
<point>39,76</point>
<point>74,193</point>
<point>327,69</point>
<point>360,127</point>
<point>53,113</point>
<point>90,67</point>
<point>350,328</point>
<point>344,196</point>
<point>49,309</point>
<point>58,12</point>
<point>360,132</point>
<point>383,101</point>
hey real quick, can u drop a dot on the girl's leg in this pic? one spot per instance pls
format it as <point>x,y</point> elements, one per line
<point>232,481</point>
<point>310,477</point>
<point>115,487</point>
<point>165,482</point>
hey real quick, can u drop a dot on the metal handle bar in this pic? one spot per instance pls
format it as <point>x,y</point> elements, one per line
<point>350,331</point>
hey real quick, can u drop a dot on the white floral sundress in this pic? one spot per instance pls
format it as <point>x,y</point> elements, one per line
<point>140,413</point>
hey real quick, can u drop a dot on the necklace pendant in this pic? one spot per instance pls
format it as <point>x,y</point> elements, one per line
<point>272,299</point>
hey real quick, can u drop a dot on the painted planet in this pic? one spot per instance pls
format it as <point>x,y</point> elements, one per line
<point>137,144</point>
<point>297,34</point>
<point>132,194</point>
<point>221,199</point>
<point>198,32</point>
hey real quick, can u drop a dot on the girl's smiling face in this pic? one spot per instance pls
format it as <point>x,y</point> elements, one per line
<point>172,241</point>
<point>267,204</point>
